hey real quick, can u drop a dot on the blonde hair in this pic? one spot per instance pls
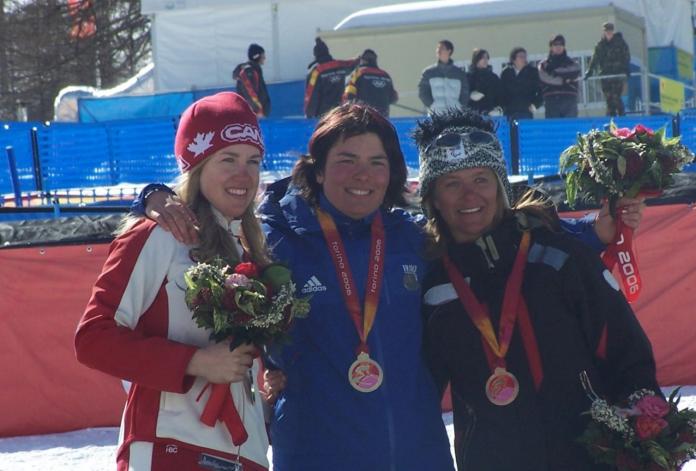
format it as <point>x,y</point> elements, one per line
<point>215,240</point>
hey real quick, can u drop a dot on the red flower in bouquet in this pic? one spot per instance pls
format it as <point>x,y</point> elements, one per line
<point>653,406</point>
<point>649,427</point>
<point>248,269</point>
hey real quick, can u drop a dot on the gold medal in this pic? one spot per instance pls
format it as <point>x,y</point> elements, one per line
<point>365,374</point>
<point>502,387</point>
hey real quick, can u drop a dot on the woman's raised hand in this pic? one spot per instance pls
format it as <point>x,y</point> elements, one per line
<point>631,211</point>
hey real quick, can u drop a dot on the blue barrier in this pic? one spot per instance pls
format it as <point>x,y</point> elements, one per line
<point>543,141</point>
<point>86,155</point>
<point>18,135</point>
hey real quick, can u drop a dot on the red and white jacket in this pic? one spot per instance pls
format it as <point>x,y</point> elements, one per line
<point>137,327</point>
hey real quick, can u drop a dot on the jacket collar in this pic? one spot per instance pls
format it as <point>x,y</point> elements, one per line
<point>233,227</point>
<point>492,253</point>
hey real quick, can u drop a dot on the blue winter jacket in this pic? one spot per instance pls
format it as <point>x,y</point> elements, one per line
<point>320,422</point>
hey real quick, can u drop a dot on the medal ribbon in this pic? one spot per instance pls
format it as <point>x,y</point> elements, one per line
<point>365,318</point>
<point>620,252</point>
<point>513,304</point>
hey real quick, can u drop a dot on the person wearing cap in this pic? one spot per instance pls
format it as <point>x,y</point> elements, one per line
<point>326,81</point>
<point>443,85</point>
<point>137,325</point>
<point>515,310</point>
<point>484,85</point>
<point>371,85</point>
<point>558,74</point>
<point>611,57</point>
<point>250,82</point>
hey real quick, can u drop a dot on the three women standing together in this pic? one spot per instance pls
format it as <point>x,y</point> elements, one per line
<point>358,394</point>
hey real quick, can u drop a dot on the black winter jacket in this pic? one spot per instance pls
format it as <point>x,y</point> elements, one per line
<point>558,74</point>
<point>252,86</point>
<point>324,86</point>
<point>373,86</point>
<point>520,89</point>
<point>488,83</point>
<point>571,299</point>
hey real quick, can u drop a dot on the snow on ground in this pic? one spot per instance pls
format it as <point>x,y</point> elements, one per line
<point>94,449</point>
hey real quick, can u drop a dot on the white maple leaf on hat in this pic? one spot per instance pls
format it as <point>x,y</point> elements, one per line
<point>201,143</point>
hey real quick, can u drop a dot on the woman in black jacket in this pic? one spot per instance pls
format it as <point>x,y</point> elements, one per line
<point>515,311</point>
<point>521,86</point>
<point>484,85</point>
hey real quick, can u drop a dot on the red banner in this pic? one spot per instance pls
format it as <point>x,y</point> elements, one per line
<point>43,293</point>
<point>44,389</point>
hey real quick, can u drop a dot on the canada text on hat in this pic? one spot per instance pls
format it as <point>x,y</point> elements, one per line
<point>213,123</point>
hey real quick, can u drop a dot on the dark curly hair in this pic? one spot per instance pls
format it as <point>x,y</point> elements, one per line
<point>343,122</point>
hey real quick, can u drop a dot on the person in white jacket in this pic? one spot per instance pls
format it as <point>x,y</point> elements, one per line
<point>138,327</point>
<point>443,85</point>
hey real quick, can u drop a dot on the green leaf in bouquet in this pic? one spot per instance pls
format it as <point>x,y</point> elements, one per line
<point>660,134</point>
<point>572,188</point>
<point>658,454</point>
<point>219,321</point>
<point>276,275</point>
<point>621,165</point>
<point>248,301</point>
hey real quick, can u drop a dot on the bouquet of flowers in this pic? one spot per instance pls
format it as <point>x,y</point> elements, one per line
<point>621,162</point>
<point>244,303</point>
<point>607,165</point>
<point>248,305</point>
<point>647,434</point>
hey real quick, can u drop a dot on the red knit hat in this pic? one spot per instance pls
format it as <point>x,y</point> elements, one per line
<point>213,123</point>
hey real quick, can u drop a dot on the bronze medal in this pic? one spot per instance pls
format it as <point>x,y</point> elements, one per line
<point>502,387</point>
<point>365,374</point>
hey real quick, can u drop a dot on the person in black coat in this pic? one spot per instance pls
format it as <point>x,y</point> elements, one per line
<point>326,80</point>
<point>371,85</point>
<point>250,82</point>
<point>521,86</point>
<point>484,85</point>
<point>559,74</point>
<point>515,311</point>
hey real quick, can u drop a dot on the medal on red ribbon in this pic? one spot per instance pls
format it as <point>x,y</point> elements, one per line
<point>502,388</point>
<point>364,374</point>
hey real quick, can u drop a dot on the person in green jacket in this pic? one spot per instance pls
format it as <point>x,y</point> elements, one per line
<point>611,57</point>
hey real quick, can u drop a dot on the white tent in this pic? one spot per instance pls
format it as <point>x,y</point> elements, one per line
<point>667,22</point>
<point>197,43</point>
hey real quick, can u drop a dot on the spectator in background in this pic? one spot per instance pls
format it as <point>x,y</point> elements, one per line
<point>371,85</point>
<point>611,57</point>
<point>250,82</point>
<point>484,84</point>
<point>558,74</point>
<point>443,85</point>
<point>521,86</point>
<point>326,81</point>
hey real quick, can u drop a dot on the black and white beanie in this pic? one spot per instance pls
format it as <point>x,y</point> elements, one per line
<point>436,161</point>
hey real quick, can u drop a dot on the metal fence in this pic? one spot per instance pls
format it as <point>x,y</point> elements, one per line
<point>79,163</point>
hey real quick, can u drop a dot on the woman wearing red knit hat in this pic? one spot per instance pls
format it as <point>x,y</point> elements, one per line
<point>138,327</point>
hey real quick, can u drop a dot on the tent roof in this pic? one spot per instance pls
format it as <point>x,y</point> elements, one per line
<point>668,22</point>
